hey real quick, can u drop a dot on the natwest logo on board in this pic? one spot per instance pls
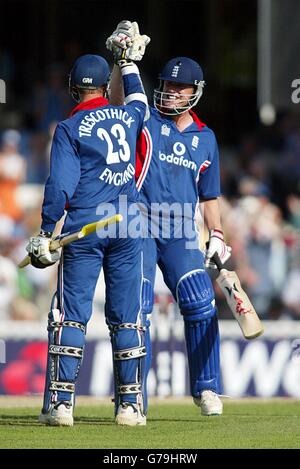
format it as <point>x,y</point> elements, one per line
<point>263,368</point>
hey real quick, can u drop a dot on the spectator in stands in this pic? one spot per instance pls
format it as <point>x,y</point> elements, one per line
<point>8,271</point>
<point>293,205</point>
<point>51,102</point>
<point>12,173</point>
<point>261,259</point>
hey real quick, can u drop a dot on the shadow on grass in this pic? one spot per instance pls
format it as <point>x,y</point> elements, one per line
<point>29,420</point>
<point>94,420</point>
<point>18,420</point>
<point>173,420</point>
<point>32,420</point>
<point>110,420</point>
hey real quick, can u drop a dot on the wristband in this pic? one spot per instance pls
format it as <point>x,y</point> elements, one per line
<point>216,234</point>
<point>46,234</point>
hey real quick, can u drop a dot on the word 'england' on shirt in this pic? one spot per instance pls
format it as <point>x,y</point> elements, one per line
<point>117,179</point>
<point>87,124</point>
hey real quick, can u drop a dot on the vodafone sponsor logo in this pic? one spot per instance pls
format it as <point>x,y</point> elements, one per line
<point>177,158</point>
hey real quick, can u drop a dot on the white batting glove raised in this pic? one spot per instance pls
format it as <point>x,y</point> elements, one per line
<point>39,252</point>
<point>126,42</point>
<point>121,37</point>
<point>137,50</point>
<point>216,245</point>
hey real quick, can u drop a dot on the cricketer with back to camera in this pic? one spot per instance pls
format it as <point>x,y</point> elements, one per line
<point>80,156</point>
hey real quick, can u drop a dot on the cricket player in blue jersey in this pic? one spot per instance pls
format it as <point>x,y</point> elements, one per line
<point>92,164</point>
<point>178,163</point>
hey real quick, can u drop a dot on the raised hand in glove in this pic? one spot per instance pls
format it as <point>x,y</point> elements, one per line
<point>126,42</point>
<point>216,244</point>
<point>139,42</point>
<point>121,37</point>
<point>39,252</point>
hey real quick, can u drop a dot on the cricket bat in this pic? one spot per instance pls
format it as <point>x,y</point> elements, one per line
<point>67,238</point>
<point>238,301</point>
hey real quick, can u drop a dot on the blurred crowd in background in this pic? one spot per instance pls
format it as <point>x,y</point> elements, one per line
<point>260,206</point>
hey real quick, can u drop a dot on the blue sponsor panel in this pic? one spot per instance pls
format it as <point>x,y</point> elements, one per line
<point>265,367</point>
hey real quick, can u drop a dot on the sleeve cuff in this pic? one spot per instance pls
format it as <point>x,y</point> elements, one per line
<point>209,196</point>
<point>48,226</point>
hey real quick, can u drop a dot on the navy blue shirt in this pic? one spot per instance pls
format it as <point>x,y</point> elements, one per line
<point>93,153</point>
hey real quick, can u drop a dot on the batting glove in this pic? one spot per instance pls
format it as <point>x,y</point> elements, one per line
<point>137,50</point>
<point>126,42</point>
<point>216,245</point>
<point>39,252</point>
<point>121,37</point>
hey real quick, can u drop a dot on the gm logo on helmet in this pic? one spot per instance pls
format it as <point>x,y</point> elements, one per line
<point>179,148</point>
<point>87,80</point>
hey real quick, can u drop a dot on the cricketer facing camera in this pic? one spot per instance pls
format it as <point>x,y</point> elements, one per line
<point>178,161</point>
<point>81,153</point>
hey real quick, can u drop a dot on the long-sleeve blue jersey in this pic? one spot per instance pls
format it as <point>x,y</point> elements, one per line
<point>93,153</point>
<point>175,167</point>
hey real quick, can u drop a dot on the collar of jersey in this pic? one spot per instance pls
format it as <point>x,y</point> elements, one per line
<point>197,121</point>
<point>195,118</point>
<point>90,104</point>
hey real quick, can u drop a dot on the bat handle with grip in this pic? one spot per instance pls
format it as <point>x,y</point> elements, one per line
<point>216,259</point>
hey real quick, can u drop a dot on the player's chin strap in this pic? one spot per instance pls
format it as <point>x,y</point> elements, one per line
<point>128,363</point>
<point>163,101</point>
<point>57,389</point>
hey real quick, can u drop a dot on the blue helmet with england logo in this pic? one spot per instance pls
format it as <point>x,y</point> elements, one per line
<point>179,70</point>
<point>89,72</point>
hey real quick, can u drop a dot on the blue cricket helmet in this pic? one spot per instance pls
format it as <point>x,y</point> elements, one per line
<point>89,72</point>
<point>182,70</point>
<point>179,70</point>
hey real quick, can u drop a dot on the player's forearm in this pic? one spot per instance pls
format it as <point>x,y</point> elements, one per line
<point>53,207</point>
<point>211,214</point>
<point>132,83</point>
<point>116,95</point>
<point>65,173</point>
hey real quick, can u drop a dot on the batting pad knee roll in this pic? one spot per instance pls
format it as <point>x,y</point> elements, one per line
<point>195,296</point>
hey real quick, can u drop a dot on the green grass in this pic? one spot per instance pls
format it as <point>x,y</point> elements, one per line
<point>273,424</point>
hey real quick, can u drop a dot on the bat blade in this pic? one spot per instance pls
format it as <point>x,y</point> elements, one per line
<point>92,227</point>
<point>86,230</point>
<point>240,305</point>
